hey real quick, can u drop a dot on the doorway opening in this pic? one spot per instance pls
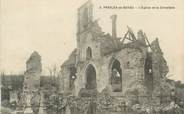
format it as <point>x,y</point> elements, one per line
<point>91,77</point>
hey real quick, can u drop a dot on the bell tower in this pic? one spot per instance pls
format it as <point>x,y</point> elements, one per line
<point>85,18</point>
<point>85,15</point>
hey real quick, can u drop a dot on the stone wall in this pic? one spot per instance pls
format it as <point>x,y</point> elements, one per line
<point>87,40</point>
<point>132,75</point>
<point>32,73</point>
<point>64,79</point>
<point>31,84</point>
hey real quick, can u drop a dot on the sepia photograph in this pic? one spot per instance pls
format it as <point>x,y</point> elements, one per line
<point>92,56</point>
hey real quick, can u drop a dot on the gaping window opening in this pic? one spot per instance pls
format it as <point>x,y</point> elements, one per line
<point>72,77</point>
<point>148,72</point>
<point>91,77</point>
<point>116,76</point>
<point>88,53</point>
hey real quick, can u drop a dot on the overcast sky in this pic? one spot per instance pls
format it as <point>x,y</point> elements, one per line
<point>49,27</point>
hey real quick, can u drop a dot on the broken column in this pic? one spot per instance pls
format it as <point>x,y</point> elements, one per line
<point>114,18</point>
<point>31,83</point>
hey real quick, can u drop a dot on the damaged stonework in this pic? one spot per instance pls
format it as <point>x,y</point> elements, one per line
<point>33,72</point>
<point>31,84</point>
<point>125,66</point>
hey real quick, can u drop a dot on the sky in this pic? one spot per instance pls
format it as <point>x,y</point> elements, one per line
<point>49,27</point>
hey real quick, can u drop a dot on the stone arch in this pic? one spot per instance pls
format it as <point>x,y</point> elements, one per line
<point>88,53</point>
<point>90,75</point>
<point>115,75</point>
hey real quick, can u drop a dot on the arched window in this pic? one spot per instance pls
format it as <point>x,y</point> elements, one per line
<point>88,53</point>
<point>116,76</point>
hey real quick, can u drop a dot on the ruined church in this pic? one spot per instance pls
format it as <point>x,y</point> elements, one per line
<point>104,63</point>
